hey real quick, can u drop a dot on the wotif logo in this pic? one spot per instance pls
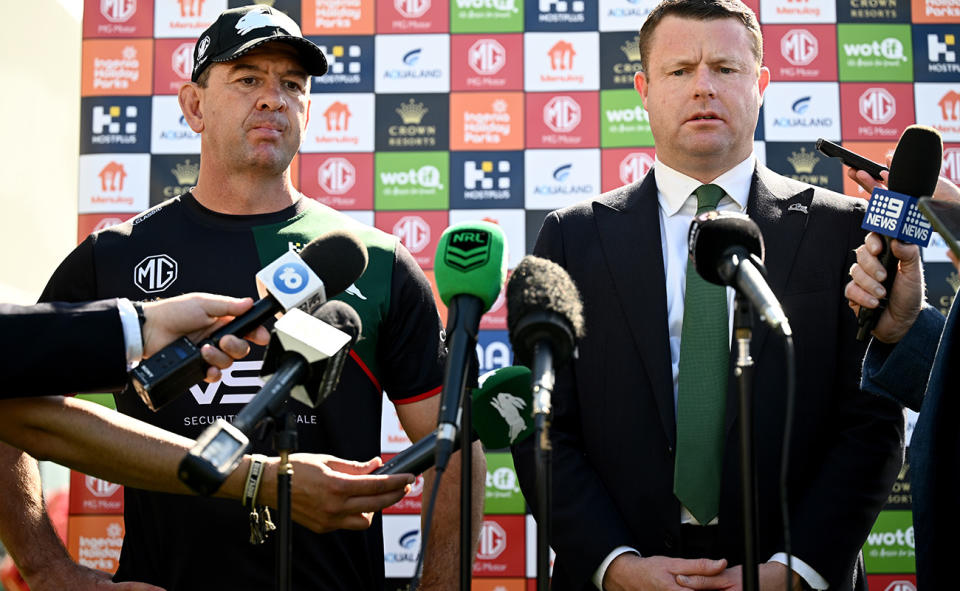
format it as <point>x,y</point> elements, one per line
<point>562,114</point>
<point>412,57</point>
<point>413,232</point>
<point>799,47</point>
<point>501,5</point>
<point>427,176</point>
<point>899,537</point>
<point>412,8</point>
<point>336,176</point>
<point>877,106</point>
<point>493,541</point>
<point>486,57</point>
<point>100,488</point>
<point>890,48</point>
<point>503,479</point>
<point>634,167</point>
<point>155,273</point>
<point>626,115</point>
<point>118,11</point>
<point>291,278</point>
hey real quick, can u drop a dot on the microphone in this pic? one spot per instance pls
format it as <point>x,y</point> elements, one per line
<point>470,267</point>
<point>914,171</point>
<point>306,354</point>
<point>326,266</point>
<point>726,248</point>
<point>501,417</point>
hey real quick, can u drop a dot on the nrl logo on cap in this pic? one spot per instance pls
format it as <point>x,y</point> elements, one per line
<point>257,19</point>
<point>468,249</point>
<point>202,48</point>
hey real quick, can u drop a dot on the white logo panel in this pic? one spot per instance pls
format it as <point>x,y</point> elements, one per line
<point>798,111</point>
<point>531,530</point>
<point>392,437</point>
<point>402,62</point>
<point>340,123</point>
<point>798,11</point>
<point>169,131</point>
<point>938,105</point>
<point>184,18</point>
<point>114,183</point>
<point>557,178</point>
<point>401,544</point>
<point>624,15</point>
<point>561,61</point>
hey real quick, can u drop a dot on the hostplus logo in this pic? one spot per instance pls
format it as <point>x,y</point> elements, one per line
<point>635,166</point>
<point>562,114</point>
<point>118,11</point>
<point>412,8</point>
<point>942,53</point>
<point>336,176</point>
<point>182,61</point>
<point>114,125</point>
<point>799,47</point>
<point>155,273</point>
<point>486,179</point>
<point>877,106</point>
<point>343,64</point>
<point>413,232</point>
<point>486,57</point>
<point>561,11</point>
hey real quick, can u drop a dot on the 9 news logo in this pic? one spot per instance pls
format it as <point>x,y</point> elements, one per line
<point>291,278</point>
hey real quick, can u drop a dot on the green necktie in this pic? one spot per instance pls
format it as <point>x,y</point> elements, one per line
<point>702,386</point>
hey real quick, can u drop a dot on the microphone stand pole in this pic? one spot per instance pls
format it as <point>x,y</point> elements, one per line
<point>285,443</point>
<point>466,495</point>
<point>742,332</point>
<point>543,382</point>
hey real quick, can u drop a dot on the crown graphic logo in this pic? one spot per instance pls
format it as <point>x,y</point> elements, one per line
<point>631,49</point>
<point>954,280</point>
<point>803,161</point>
<point>411,113</point>
<point>186,172</point>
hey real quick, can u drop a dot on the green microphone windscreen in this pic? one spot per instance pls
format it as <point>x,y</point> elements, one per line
<point>471,259</point>
<point>502,407</point>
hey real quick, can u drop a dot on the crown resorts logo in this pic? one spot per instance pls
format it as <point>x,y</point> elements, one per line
<point>411,112</point>
<point>336,176</point>
<point>118,11</point>
<point>799,47</point>
<point>623,72</point>
<point>634,167</point>
<point>562,114</point>
<point>877,106</point>
<point>411,133</point>
<point>186,174</point>
<point>343,64</point>
<point>412,8</point>
<point>803,163</point>
<point>486,57</point>
<point>413,232</point>
<point>181,61</point>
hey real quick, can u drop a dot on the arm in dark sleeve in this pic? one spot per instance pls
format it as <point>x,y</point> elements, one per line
<point>585,523</point>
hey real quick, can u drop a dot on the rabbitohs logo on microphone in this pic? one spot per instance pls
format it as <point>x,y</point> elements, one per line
<point>468,249</point>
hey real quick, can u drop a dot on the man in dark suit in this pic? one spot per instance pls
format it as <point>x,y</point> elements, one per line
<point>43,337</point>
<point>646,473</point>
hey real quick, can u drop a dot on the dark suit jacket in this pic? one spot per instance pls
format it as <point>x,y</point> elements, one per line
<point>614,422</point>
<point>61,348</point>
<point>935,445</point>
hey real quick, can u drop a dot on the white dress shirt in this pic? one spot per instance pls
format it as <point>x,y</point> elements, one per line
<point>677,208</point>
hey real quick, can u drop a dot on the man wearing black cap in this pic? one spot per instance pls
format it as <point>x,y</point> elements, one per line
<point>249,100</point>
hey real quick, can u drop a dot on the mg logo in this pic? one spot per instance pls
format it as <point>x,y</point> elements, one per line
<point>799,47</point>
<point>412,8</point>
<point>182,60</point>
<point>336,176</point>
<point>901,586</point>
<point>106,223</point>
<point>100,488</point>
<point>486,57</point>
<point>413,232</point>
<point>634,167</point>
<point>877,106</point>
<point>951,164</point>
<point>493,541</point>
<point>562,114</point>
<point>155,273</point>
<point>118,11</point>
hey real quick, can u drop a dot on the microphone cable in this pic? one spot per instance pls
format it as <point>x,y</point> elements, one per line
<point>785,452</point>
<point>425,535</point>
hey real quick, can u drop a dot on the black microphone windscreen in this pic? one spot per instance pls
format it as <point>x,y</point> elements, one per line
<point>542,302</point>
<point>916,161</point>
<point>338,258</point>
<point>713,233</point>
<point>342,317</point>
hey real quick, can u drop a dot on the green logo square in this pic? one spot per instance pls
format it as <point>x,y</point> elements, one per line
<point>486,16</point>
<point>890,547</point>
<point>875,53</point>
<point>623,120</point>
<point>411,180</point>
<point>503,494</point>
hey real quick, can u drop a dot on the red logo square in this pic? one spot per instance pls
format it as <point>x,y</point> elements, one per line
<point>413,16</point>
<point>624,166</point>
<point>563,120</point>
<point>117,18</point>
<point>875,111</point>
<point>89,495</point>
<point>172,64</point>
<point>341,181</point>
<point>419,231</point>
<point>800,52</point>
<point>411,504</point>
<point>486,62</point>
<point>502,548</point>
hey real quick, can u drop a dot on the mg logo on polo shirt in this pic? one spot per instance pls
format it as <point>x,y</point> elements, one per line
<point>155,273</point>
<point>336,176</point>
<point>493,541</point>
<point>635,166</point>
<point>118,11</point>
<point>412,8</point>
<point>877,106</point>
<point>486,57</point>
<point>799,47</point>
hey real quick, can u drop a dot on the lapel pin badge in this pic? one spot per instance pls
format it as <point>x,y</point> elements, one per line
<point>798,207</point>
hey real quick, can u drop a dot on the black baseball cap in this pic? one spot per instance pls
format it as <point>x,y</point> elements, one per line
<point>238,30</point>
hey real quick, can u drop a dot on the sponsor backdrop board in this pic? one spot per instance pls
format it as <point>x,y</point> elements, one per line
<point>437,111</point>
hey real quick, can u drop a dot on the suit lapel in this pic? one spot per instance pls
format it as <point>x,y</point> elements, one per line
<point>629,229</point>
<point>781,214</point>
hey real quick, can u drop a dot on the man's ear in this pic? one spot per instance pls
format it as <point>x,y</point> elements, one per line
<point>189,98</point>
<point>641,84</point>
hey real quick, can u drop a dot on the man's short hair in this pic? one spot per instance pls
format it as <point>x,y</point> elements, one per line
<point>703,10</point>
